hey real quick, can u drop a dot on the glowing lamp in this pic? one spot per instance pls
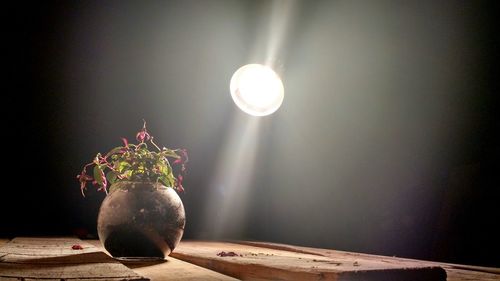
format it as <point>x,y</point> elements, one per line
<point>257,89</point>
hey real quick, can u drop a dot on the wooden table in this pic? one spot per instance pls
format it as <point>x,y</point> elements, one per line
<point>38,258</point>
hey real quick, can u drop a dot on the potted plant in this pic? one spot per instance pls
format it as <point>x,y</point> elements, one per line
<point>141,216</point>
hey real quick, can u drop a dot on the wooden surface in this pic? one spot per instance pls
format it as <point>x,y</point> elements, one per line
<point>255,262</point>
<point>174,269</point>
<point>55,259</point>
<point>455,272</point>
<point>170,269</point>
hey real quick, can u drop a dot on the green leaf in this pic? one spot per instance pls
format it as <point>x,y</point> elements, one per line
<point>167,181</point>
<point>98,175</point>
<point>165,169</point>
<point>122,165</point>
<point>169,153</point>
<point>112,175</point>
<point>114,150</point>
<point>127,174</point>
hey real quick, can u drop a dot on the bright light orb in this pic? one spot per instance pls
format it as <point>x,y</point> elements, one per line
<point>257,89</point>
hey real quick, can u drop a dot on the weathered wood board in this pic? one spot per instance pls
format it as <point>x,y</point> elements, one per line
<point>455,272</point>
<point>261,263</point>
<point>55,259</point>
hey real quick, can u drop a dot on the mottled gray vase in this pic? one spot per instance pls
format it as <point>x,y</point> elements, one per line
<point>141,220</point>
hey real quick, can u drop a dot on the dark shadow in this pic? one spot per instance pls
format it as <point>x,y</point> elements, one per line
<point>84,258</point>
<point>139,264</point>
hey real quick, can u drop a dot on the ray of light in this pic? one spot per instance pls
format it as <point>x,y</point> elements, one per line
<point>227,203</point>
<point>227,206</point>
<point>280,20</point>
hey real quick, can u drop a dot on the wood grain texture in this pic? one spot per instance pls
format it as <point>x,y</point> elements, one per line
<point>315,259</point>
<point>261,263</point>
<point>54,258</point>
<point>455,272</point>
<point>171,269</point>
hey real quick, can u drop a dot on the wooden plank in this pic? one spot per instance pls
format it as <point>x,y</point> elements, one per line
<point>455,272</point>
<point>54,258</point>
<point>261,263</point>
<point>171,269</point>
<point>3,241</point>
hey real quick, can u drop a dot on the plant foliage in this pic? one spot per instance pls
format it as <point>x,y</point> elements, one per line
<point>143,162</point>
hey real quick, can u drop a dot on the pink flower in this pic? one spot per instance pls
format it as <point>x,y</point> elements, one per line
<point>125,142</point>
<point>182,161</point>
<point>104,182</point>
<point>142,135</point>
<point>183,157</point>
<point>178,183</point>
<point>83,178</point>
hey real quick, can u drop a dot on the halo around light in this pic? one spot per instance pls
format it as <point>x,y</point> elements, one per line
<point>257,89</point>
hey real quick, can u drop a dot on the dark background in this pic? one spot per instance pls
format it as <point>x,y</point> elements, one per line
<point>386,141</point>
